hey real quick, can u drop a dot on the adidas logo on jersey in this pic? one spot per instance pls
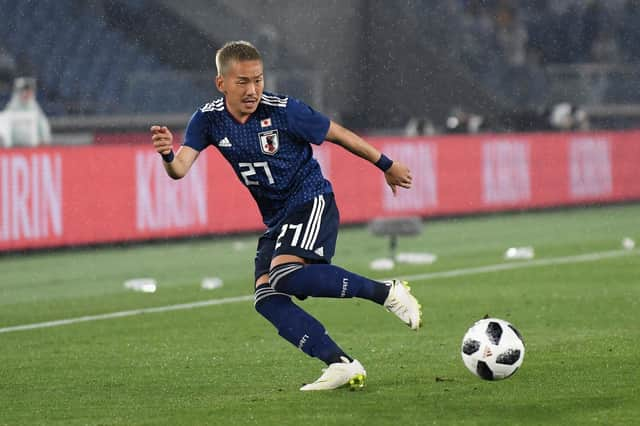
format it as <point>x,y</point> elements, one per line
<point>319,251</point>
<point>224,143</point>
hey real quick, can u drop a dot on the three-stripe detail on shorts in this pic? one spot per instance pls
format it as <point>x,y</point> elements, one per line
<point>313,224</point>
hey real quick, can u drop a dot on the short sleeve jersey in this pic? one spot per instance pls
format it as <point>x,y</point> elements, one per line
<point>270,153</point>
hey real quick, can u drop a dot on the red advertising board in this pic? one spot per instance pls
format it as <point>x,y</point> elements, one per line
<point>69,195</point>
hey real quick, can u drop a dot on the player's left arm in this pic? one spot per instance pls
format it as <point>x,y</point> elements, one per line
<point>395,173</point>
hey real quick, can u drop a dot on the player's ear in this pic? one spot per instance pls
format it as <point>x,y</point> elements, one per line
<point>220,83</point>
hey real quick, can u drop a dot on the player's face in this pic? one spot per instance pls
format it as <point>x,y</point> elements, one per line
<point>242,85</point>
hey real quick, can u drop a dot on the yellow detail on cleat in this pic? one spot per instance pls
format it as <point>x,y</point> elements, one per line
<point>357,382</point>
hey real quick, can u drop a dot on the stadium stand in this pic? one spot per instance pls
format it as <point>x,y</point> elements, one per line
<point>106,57</point>
<point>534,53</point>
<point>7,66</point>
<point>85,66</point>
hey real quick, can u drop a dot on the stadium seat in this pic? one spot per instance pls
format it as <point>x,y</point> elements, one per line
<point>82,62</point>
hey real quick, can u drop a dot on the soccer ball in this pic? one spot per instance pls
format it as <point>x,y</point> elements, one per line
<point>492,349</point>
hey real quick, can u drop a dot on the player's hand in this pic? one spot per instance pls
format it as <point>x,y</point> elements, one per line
<point>398,175</point>
<point>162,139</point>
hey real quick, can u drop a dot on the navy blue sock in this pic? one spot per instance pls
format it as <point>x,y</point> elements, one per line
<point>323,280</point>
<point>297,326</point>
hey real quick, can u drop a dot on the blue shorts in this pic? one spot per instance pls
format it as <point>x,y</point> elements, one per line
<point>310,232</point>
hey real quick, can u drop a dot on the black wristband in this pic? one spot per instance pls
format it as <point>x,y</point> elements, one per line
<point>167,158</point>
<point>384,163</point>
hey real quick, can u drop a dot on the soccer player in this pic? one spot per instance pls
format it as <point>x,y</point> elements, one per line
<point>266,138</point>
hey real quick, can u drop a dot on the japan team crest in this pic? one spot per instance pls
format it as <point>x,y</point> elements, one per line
<point>269,141</point>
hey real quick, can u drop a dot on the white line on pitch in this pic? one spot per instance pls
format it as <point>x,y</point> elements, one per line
<point>126,313</point>
<point>589,257</point>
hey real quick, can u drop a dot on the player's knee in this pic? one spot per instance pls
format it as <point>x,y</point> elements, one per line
<point>279,276</point>
<point>262,279</point>
<point>262,292</point>
<point>271,304</point>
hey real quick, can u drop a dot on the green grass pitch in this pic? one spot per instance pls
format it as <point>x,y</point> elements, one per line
<point>225,365</point>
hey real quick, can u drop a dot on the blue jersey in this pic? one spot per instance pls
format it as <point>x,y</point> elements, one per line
<point>270,153</point>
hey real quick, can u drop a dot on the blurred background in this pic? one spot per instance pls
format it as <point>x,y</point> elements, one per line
<point>380,67</point>
<point>495,105</point>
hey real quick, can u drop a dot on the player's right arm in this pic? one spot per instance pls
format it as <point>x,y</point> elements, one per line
<point>178,166</point>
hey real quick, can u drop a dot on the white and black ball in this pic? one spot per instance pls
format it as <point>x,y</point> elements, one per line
<point>492,349</point>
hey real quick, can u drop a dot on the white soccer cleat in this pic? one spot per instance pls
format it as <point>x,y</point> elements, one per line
<point>339,374</point>
<point>402,303</point>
